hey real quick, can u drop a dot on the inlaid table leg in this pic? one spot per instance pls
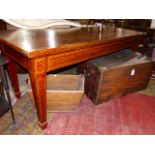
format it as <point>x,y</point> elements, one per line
<point>37,73</point>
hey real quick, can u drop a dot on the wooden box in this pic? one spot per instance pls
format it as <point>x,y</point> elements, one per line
<point>64,92</point>
<point>115,75</point>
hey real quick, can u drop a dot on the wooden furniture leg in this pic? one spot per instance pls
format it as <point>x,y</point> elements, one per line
<point>12,71</point>
<point>37,73</point>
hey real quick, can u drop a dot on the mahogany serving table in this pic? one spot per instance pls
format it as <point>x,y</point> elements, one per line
<point>41,51</point>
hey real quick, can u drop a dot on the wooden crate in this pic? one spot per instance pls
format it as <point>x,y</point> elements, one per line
<point>115,75</point>
<point>64,92</point>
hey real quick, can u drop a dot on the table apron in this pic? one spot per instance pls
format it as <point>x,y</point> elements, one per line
<point>69,58</point>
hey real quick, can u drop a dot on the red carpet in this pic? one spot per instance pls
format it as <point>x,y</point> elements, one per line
<point>131,114</point>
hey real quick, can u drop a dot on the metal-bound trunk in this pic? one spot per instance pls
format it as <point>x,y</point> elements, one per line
<point>115,75</point>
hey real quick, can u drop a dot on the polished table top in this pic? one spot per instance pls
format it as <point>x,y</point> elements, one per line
<point>28,42</point>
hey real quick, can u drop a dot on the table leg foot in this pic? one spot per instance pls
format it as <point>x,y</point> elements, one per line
<point>42,125</point>
<point>18,95</point>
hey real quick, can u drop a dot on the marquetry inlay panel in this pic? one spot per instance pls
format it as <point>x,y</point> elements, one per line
<point>38,65</point>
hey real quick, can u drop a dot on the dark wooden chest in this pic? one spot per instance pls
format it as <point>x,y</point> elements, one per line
<point>115,75</point>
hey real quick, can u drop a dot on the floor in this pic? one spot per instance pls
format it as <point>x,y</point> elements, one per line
<point>26,120</point>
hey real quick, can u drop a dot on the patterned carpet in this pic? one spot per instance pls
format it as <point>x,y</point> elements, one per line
<point>26,119</point>
<point>125,115</point>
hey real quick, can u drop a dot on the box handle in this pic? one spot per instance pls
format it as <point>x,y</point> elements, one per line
<point>132,72</point>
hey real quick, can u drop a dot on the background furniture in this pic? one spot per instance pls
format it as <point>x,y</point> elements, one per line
<point>5,101</point>
<point>137,24</point>
<point>2,25</point>
<point>144,26</point>
<point>152,36</point>
<point>111,22</point>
